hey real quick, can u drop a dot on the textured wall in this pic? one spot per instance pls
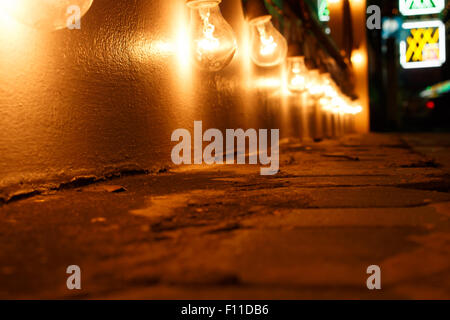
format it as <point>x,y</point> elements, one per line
<point>108,96</point>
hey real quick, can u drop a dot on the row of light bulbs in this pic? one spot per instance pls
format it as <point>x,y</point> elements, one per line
<point>213,41</point>
<point>320,86</point>
<point>213,44</point>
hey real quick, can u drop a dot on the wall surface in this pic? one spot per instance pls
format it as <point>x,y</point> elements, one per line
<point>358,47</point>
<point>106,98</point>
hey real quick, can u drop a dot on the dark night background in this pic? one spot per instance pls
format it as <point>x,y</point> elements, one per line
<point>401,108</point>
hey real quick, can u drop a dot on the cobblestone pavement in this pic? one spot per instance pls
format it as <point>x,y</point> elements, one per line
<point>224,232</point>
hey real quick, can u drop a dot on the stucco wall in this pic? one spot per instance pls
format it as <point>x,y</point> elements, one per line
<point>108,96</point>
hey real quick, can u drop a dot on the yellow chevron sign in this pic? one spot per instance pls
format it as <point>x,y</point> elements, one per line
<point>424,45</point>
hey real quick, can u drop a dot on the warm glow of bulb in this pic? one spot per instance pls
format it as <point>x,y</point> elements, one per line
<point>181,42</point>
<point>357,57</point>
<point>325,104</point>
<point>9,5</point>
<point>316,90</point>
<point>8,25</point>
<point>267,83</point>
<point>268,46</point>
<point>296,74</point>
<point>43,14</point>
<point>355,3</point>
<point>357,109</point>
<point>315,86</point>
<point>208,43</point>
<point>298,81</point>
<point>175,46</point>
<point>183,51</point>
<point>329,91</point>
<point>340,104</point>
<point>213,43</point>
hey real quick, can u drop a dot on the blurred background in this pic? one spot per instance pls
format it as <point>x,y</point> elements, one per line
<point>402,97</point>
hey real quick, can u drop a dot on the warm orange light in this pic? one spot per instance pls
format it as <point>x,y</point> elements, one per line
<point>315,86</point>
<point>268,46</point>
<point>357,58</point>
<point>267,83</point>
<point>174,46</point>
<point>43,14</point>
<point>209,42</point>
<point>296,73</point>
<point>213,42</point>
<point>336,102</point>
<point>8,25</point>
<point>356,2</point>
<point>182,44</point>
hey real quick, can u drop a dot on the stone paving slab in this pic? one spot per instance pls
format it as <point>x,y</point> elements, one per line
<point>226,232</point>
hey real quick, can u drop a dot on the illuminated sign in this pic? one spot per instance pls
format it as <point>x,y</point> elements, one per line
<point>416,7</point>
<point>424,44</point>
<point>324,12</point>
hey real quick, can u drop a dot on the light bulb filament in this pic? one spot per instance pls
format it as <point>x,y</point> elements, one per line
<point>298,81</point>
<point>268,43</point>
<point>296,68</point>
<point>208,43</point>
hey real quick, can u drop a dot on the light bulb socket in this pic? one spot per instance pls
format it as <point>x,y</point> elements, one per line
<point>255,9</point>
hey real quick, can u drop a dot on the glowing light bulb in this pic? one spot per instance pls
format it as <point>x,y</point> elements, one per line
<point>325,102</point>
<point>341,104</point>
<point>268,46</point>
<point>357,58</point>
<point>315,87</point>
<point>44,14</point>
<point>296,74</point>
<point>213,42</point>
<point>336,102</point>
<point>355,108</point>
<point>328,86</point>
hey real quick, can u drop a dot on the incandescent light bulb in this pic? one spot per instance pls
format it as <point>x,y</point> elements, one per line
<point>296,73</point>
<point>315,84</point>
<point>44,14</point>
<point>213,42</point>
<point>268,46</point>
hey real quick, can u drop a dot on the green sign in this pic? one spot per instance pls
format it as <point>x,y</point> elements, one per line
<point>418,7</point>
<point>324,12</point>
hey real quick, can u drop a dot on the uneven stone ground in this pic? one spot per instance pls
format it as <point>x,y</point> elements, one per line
<point>225,232</point>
